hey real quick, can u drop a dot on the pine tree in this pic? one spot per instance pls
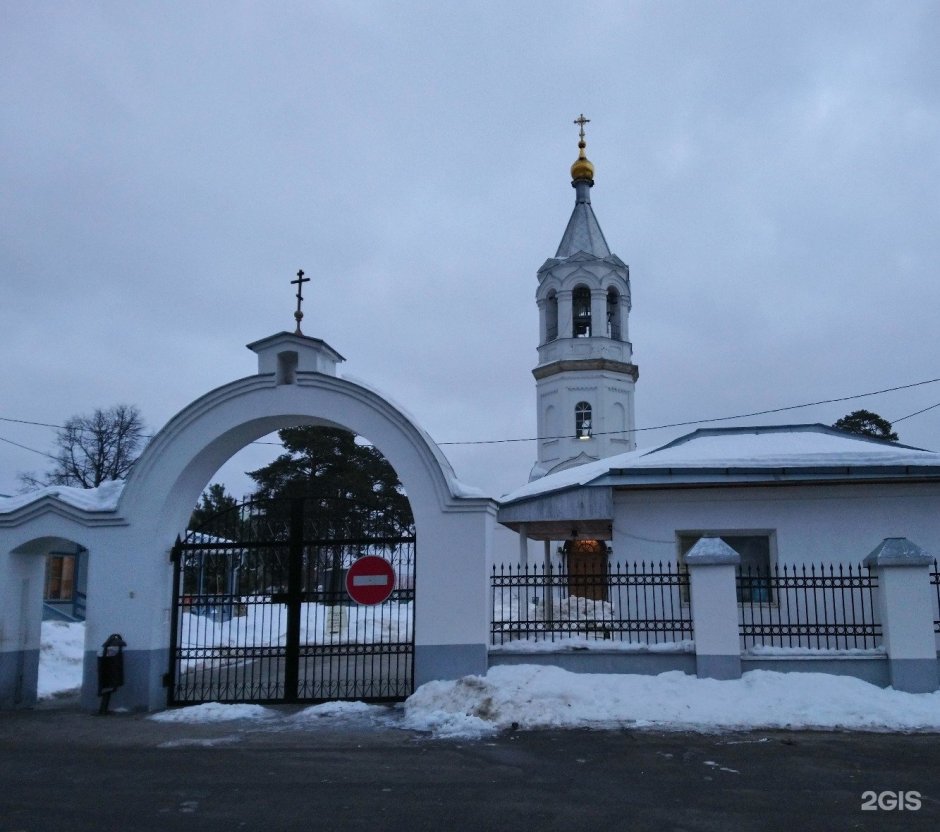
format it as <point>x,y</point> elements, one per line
<point>214,501</point>
<point>355,488</point>
<point>866,423</point>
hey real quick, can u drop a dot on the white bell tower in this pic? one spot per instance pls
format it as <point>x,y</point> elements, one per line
<point>585,377</point>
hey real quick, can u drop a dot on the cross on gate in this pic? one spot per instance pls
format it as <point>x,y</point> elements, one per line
<point>299,282</point>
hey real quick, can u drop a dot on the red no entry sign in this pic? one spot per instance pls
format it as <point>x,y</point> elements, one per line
<point>370,580</point>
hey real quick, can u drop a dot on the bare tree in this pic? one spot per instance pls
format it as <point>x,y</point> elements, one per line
<point>93,449</point>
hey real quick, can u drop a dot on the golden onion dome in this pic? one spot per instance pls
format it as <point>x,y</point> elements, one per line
<point>582,167</point>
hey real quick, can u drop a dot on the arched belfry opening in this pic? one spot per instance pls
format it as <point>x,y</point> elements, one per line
<point>613,314</point>
<point>551,316</point>
<point>581,312</point>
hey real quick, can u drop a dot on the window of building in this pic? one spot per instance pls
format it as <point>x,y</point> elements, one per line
<point>582,420</point>
<point>60,577</point>
<point>613,313</point>
<point>551,317</point>
<point>754,549</point>
<point>581,312</point>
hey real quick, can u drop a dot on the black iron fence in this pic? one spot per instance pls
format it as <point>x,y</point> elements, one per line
<point>935,580</point>
<point>816,607</point>
<point>286,629</point>
<point>638,602</point>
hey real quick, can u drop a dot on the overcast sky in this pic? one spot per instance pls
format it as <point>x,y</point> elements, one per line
<point>770,172</point>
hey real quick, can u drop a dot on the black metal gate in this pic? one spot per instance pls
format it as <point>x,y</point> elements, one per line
<point>261,613</point>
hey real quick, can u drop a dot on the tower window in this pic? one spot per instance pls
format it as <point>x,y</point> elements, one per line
<point>582,420</point>
<point>551,317</point>
<point>581,312</point>
<point>613,313</point>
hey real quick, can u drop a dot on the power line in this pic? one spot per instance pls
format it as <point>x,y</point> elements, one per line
<point>915,413</point>
<point>62,427</point>
<point>30,422</point>
<point>597,433</point>
<point>715,419</point>
<point>26,448</point>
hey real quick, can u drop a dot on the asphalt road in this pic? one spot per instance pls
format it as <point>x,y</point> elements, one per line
<point>69,771</point>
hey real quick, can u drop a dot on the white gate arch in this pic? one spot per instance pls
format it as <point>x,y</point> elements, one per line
<point>129,579</point>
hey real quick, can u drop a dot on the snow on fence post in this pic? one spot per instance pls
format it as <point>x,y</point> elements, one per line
<point>712,564</point>
<point>906,610</point>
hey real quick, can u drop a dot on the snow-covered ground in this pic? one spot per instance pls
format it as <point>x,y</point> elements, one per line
<point>530,696</point>
<point>60,659</point>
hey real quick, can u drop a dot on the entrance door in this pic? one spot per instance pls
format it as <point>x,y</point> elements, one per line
<point>587,569</point>
<point>261,614</point>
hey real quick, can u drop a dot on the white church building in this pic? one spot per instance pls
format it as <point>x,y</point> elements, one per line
<point>787,547</point>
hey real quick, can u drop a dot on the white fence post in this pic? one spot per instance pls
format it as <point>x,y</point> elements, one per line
<point>906,610</point>
<point>712,564</point>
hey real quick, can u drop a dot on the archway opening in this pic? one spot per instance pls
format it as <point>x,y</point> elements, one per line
<point>49,596</point>
<point>263,605</point>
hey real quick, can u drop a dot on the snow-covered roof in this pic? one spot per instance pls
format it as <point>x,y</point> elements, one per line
<point>103,498</point>
<point>715,454</point>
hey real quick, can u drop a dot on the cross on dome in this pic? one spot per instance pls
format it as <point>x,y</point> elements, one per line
<point>582,167</point>
<point>581,120</point>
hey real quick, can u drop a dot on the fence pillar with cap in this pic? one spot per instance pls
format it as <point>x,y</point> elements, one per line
<point>906,611</point>
<point>712,564</point>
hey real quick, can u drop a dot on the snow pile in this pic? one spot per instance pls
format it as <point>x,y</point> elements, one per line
<point>519,632</point>
<point>813,652</point>
<point>61,653</point>
<point>507,615</point>
<point>568,644</point>
<point>529,696</point>
<point>214,712</point>
<point>341,711</point>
